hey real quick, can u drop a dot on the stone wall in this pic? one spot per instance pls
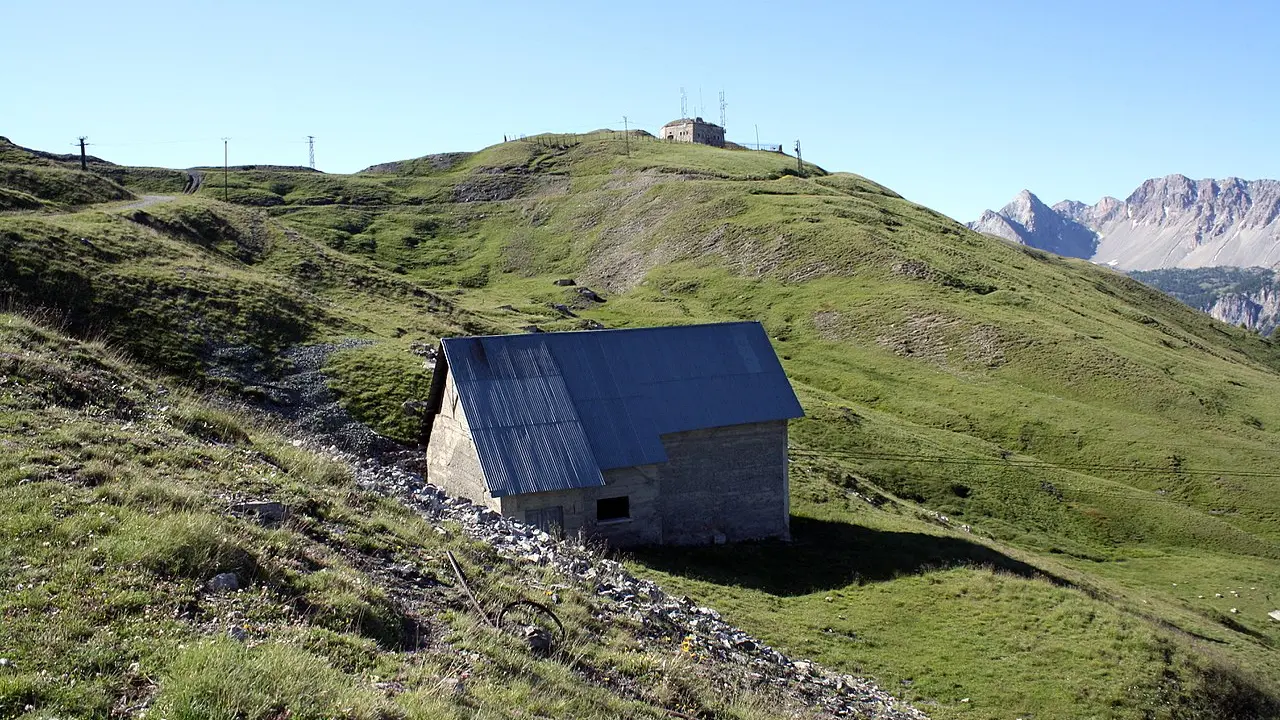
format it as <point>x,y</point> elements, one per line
<point>695,131</point>
<point>720,484</point>
<point>725,483</point>
<point>638,484</point>
<point>452,461</point>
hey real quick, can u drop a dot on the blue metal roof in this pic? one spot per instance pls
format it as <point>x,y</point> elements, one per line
<point>550,411</point>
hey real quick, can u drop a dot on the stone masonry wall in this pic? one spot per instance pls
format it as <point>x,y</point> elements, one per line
<point>729,481</point>
<point>693,130</point>
<point>639,484</point>
<point>452,460</point>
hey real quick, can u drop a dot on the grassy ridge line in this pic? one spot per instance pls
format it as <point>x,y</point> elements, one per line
<point>57,187</point>
<point>177,281</point>
<point>33,180</point>
<point>114,497</point>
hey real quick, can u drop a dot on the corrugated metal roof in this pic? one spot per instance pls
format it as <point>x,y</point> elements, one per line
<point>549,411</point>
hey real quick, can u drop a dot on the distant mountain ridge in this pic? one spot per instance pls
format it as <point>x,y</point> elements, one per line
<point>1166,222</point>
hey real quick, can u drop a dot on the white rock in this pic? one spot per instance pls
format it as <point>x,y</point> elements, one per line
<point>224,582</point>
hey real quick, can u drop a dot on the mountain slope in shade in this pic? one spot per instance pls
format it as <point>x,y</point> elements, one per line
<point>1167,222</point>
<point>1245,297</point>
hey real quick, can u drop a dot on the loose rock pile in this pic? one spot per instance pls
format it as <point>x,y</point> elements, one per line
<point>623,595</point>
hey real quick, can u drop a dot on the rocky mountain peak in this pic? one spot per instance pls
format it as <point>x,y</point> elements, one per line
<point>1027,220</point>
<point>1025,209</point>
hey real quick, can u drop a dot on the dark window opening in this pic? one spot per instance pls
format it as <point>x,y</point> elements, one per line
<point>618,508</point>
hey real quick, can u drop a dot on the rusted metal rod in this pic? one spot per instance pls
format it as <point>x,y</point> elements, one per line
<point>462,580</point>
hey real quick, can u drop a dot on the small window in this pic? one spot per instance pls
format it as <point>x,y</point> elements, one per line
<point>618,508</point>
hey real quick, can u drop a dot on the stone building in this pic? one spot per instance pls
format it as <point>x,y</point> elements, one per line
<point>695,130</point>
<point>674,435</point>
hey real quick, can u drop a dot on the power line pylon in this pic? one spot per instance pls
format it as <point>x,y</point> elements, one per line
<point>311,150</point>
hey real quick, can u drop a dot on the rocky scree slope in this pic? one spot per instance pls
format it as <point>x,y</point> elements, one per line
<point>1166,222</point>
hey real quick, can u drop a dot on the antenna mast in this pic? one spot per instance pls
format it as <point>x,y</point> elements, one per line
<point>684,104</point>
<point>311,150</point>
<point>723,105</point>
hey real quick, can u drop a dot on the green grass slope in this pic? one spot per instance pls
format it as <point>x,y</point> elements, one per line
<point>116,496</point>
<point>1023,481</point>
<point>56,182</point>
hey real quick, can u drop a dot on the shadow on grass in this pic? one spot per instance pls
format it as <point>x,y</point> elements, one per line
<point>826,555</point>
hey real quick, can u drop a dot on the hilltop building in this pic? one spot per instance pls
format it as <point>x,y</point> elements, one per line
<point>674,435</point>
<point>694,130</point>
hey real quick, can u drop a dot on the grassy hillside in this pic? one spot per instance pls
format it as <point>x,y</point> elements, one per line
<point>117,508</point>
<point>1019,475</point>
<point>34,180</point>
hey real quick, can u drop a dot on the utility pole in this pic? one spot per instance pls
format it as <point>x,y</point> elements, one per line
<point>226,193</point>
<point>84,161</point>
<point>311,150</point>
<point>626,134</point>
<point>799,162</point>
<point>757,127</point>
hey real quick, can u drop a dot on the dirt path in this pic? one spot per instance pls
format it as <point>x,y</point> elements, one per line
<point>195,179</point>
<point>146,201</point>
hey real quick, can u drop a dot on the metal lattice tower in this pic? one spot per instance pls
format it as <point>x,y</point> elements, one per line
<point>684,104</point>
<point>311,150</point>
<point>723,105</point>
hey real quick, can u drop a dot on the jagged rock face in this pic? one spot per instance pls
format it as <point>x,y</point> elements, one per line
<point>1167,222</point>
<point>993,223</point>
<point>1259,310</point>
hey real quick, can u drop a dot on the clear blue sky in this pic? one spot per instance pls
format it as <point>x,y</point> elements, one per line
<point>957,105</point>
